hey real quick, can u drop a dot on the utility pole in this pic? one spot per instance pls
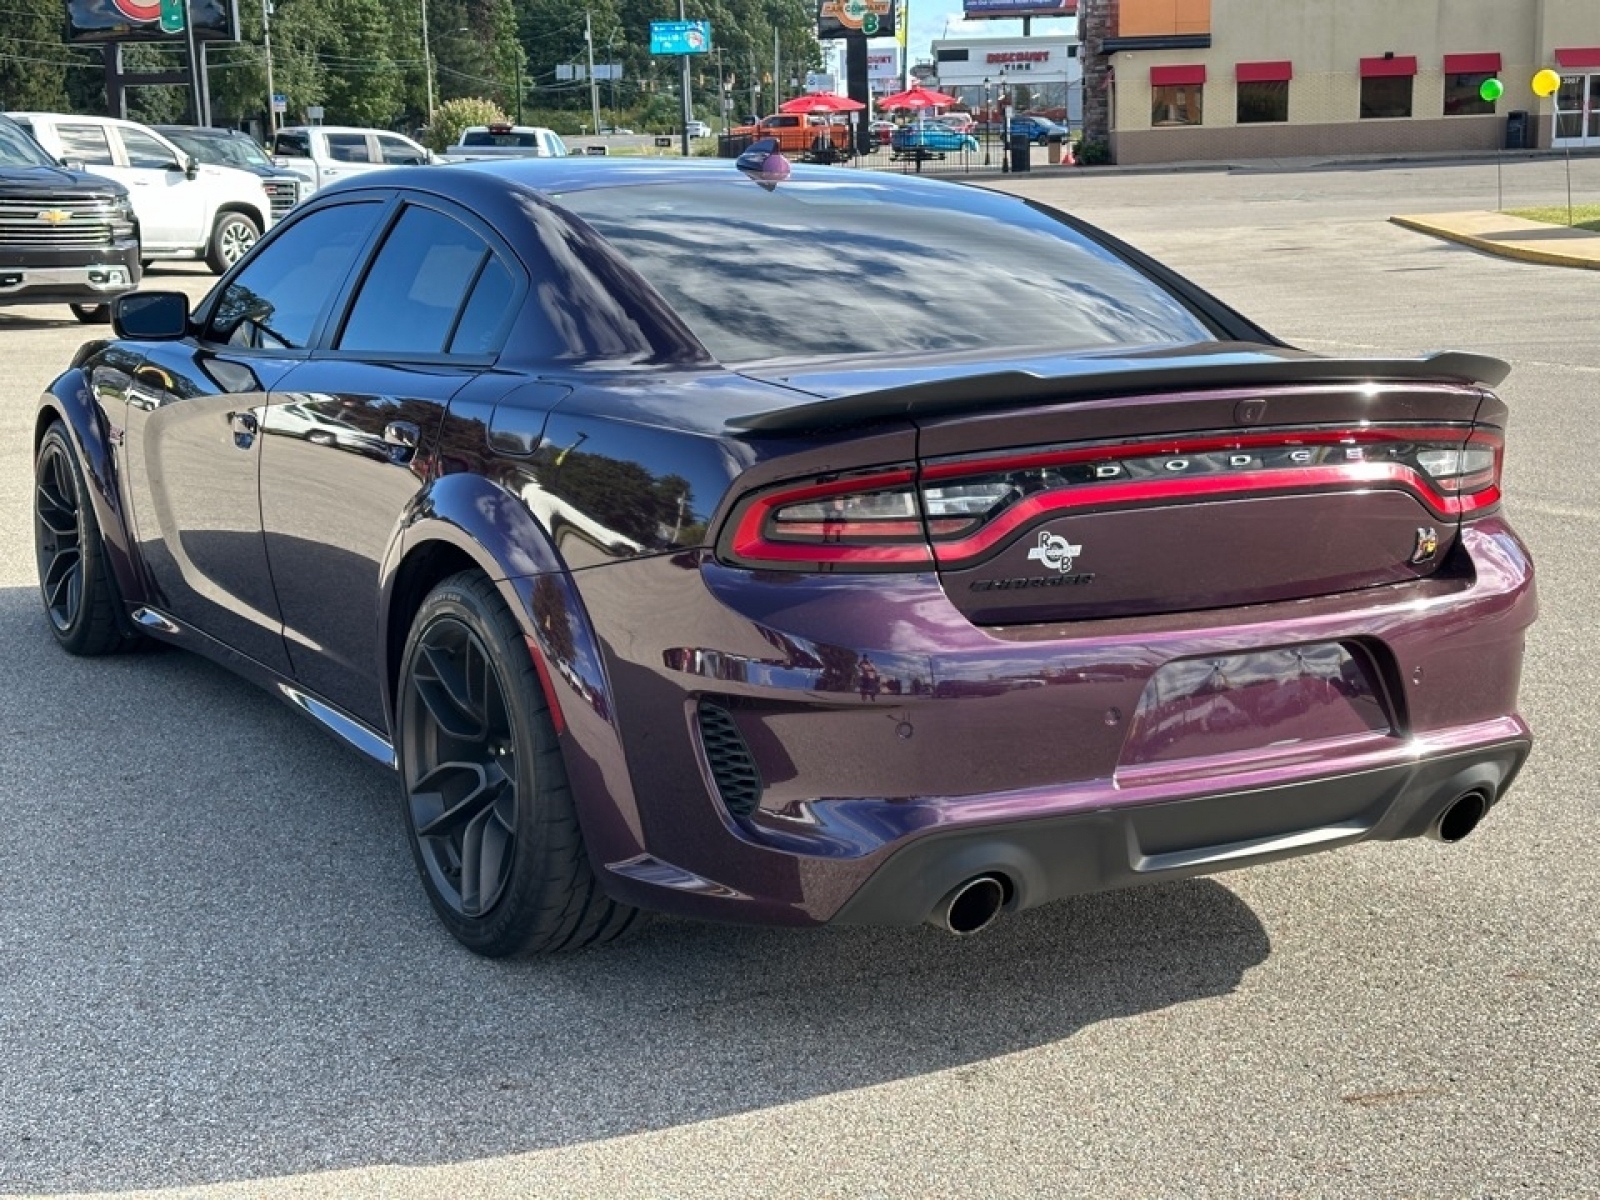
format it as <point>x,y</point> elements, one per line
<point>777,77</point>
<point>594,86</point>
<point>266,45</point>
<point>427,60</point>
<point>686,102</point>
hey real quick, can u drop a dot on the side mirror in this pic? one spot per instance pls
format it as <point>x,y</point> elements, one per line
<point>151,316</point>
<point>191,167</point>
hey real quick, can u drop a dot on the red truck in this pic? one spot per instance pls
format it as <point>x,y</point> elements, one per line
<point>798,134</point>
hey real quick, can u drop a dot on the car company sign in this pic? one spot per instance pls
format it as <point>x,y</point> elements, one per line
<point>145,20</point>
<point>846,18</point>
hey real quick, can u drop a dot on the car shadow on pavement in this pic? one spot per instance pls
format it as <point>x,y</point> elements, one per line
<point>219,966</point>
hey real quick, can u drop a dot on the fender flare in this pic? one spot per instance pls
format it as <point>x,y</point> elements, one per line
<point>70,400</point>
<point>492,527</point>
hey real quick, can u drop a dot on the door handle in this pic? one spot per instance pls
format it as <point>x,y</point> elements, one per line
<point>403,434</point>
<point>245,427</point>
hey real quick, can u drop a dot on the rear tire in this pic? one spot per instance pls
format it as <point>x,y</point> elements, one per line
<point>80,596</point>
<point>487,806</point>
<point>92,314</point>
<point>231,238</point>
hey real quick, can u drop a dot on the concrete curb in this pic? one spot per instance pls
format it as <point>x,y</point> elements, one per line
<point>1500,246</point>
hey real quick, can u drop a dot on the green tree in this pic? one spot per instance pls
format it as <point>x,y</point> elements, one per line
<point>362,81</point>
<point>33,59</point>
<point>451,117</point>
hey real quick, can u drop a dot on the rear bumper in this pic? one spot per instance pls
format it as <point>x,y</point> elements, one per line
<point>1047,859</point>
<point>1025,751</point>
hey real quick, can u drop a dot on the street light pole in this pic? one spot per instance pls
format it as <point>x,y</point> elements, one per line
<point>594,86</point>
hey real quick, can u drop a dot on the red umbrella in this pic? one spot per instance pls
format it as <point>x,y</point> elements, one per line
<point>820,102</point>
<point>918,97</point>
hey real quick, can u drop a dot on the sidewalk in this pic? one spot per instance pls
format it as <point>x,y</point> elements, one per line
<point>1512,237</point>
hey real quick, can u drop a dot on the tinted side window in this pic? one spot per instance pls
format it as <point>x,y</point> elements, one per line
<point>348,147</point>
<point>144,151</point>
<point>488,311</point>
<point>409,299</point>
<point>292,145</point>
<point>84,143</point>
<point>275,301</point>
<point>398,153</point>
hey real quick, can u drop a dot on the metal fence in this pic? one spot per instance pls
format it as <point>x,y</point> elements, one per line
<point>985,152</point>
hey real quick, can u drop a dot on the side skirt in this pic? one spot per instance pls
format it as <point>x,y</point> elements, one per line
<point>329,717</point>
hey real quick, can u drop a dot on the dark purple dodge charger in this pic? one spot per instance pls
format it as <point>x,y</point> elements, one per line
<point>817,548</point>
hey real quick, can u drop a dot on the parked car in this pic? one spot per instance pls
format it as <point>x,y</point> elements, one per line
<point>698,129</point>
<point>66,237</point>
<point>931,137</point>
<point>236,148</point>
<point>882,132</point>
<point>506,140</point>
<point>662,598</point>
<point>799,134</point>
<point>1039,130</point>
<point>959,121</point>
<point>187,209</point>
<point>323,154</point>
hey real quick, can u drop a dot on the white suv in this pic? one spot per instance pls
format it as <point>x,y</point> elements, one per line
<point>186,209</point>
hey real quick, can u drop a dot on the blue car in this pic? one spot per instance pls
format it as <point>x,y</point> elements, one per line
<point>930,138</point>
<point>1039,130</point>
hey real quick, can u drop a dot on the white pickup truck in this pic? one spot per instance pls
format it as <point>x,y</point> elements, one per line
<point>321,154</point>
<point>506,141</point>
<point>186,209</point>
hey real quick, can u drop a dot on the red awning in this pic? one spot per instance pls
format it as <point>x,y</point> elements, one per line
<point>1400,64</point>
<point>1578,56</point>
<point>1263,72</point>
<point>1176,76</point>
<point>1472,64</point>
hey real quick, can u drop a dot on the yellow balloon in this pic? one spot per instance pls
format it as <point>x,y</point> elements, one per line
<point>1546,82</point>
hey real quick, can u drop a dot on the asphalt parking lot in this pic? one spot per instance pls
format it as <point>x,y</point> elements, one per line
<point>219,978</point>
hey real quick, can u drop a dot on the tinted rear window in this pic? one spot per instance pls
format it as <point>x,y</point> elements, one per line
<point>822,268</point>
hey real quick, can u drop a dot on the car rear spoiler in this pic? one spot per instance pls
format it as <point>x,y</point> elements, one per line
<point>1224,366</point>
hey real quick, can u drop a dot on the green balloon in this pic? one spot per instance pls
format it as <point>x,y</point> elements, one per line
<point>1492,89</point>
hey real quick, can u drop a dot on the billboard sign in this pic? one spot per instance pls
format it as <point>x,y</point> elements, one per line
<point>150,20</point>
<point>988,10</point>
<point>849,18</point>
<point>680,37</point>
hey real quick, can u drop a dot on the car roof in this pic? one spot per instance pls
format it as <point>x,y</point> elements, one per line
<point>343,129</point>
<point>582,173</point>
<point>202,130</point>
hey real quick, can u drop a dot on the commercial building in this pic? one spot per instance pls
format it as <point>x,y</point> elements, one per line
<point>1186,80</point>
<point>1038,74</point>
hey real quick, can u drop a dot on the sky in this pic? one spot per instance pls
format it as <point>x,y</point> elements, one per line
<point>931,19</point>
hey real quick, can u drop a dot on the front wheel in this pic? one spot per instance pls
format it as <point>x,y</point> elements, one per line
<point>92,314</point>
<point>488,810</point>
<point>231,238</point>
<point>80,596</point>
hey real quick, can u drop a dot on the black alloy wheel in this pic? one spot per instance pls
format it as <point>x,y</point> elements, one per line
<point>80,597</point>
<point>488,809</point>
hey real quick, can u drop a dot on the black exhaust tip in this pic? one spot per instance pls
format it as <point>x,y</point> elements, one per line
<point>1461,817</point>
